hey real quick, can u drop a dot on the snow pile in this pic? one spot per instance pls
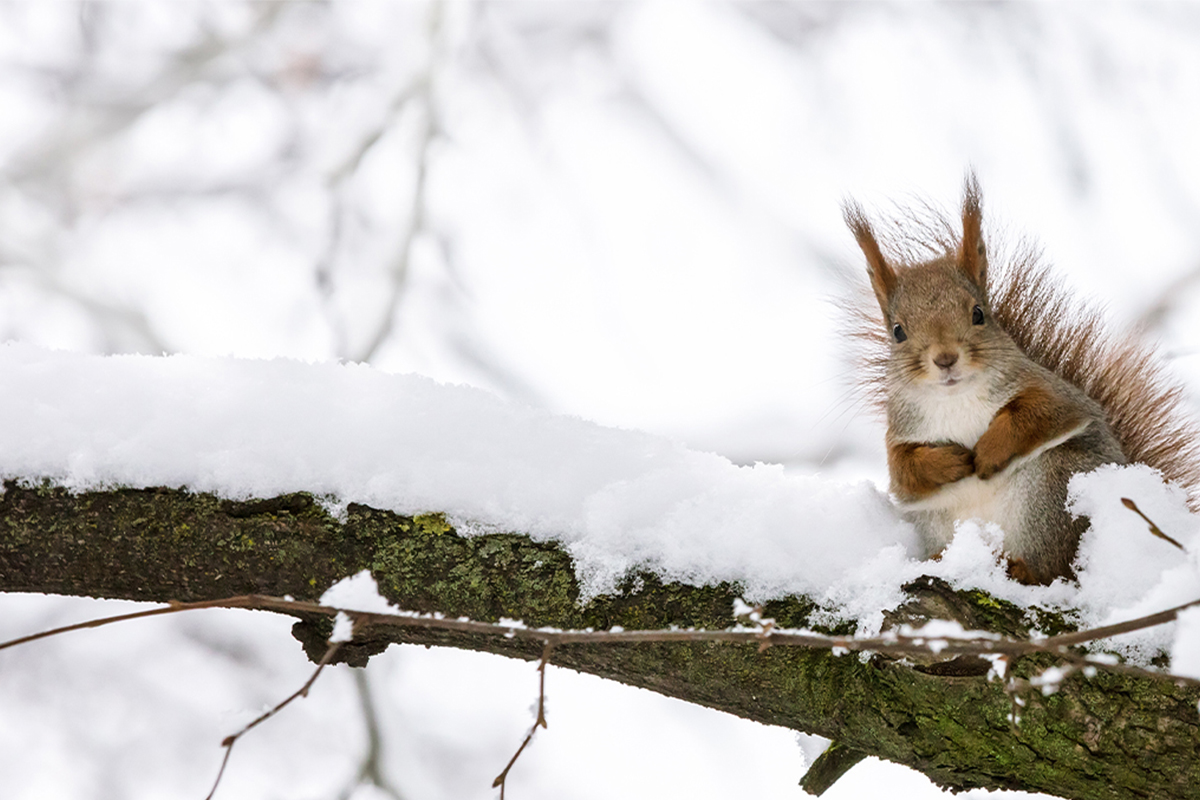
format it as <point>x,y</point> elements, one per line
<point>617,500</point>
<point>1125,572</point>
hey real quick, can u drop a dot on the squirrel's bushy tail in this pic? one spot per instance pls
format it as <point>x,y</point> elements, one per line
<point>1143,402</point>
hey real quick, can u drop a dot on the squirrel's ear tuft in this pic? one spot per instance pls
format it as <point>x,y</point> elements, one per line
<point>972,256</point>
<point>883,277</point>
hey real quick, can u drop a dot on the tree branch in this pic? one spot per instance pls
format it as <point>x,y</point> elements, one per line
<point>1110,736</point>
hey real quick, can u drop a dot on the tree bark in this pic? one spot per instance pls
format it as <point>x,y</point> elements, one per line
<point>1109,736</point>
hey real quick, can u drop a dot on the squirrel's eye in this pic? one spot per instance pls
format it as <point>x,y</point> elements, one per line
<point>899,333</point>
<point>977,316</point>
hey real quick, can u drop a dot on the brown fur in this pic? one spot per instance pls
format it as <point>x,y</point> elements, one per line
<point>1145,406</point>
<point>918,470</point>
<point>972,258</point>
<point>1142,403</point>
<point>1019,571</point>
<point>883,277</point>
<point>1032,418</point>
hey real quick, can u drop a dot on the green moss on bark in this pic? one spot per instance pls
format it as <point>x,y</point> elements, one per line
<point>1112,736</point>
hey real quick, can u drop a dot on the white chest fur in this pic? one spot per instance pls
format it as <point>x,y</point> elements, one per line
<point>961,414</point>
<point>954,413</point>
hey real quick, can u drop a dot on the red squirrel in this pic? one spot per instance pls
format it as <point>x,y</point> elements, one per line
<point>999,386</point>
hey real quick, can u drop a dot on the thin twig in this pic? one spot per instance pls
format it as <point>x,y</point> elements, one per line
<point>502,778</point>
<point>889,643</point>
<point>172,607</point>
<point>1132,506</point>
<point>1148,621</point>
<point>231,740</point>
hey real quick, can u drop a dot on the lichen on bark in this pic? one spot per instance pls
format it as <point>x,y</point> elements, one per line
<point>1110,736</point>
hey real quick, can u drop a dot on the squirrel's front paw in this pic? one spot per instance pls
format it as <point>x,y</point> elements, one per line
<point>951,462</point>
<point>919,469</point>
<point>990,460</point>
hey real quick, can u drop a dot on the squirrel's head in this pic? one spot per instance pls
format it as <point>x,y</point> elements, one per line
<point>936,311</point>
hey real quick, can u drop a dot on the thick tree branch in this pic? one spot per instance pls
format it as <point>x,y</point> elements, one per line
<point>1110,736</point>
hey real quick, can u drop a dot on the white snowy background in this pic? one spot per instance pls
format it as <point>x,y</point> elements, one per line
<point>623,213</point>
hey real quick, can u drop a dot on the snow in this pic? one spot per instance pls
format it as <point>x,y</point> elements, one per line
<point>352,434</point>
<point>1050,679</point>
<point>1185,649</point>
<point>617,500</point>
<point>359,592</point>
<point>944,629</point>
<point>1125,572</point>
<point>343,628</point>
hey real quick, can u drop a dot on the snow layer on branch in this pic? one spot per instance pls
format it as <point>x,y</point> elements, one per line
<point>616,499</point>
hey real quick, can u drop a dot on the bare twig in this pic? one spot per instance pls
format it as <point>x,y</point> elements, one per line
<point>1092,634</point>
<point>890,643</point>
<point>171,608</point>
<point>1132,506</point>
<point>540,721</point>
<point>231,740</point>
<point>336,186</point>
<point>1002,650</point>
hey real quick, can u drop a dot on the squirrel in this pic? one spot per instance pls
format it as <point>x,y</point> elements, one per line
<point>999,386</point>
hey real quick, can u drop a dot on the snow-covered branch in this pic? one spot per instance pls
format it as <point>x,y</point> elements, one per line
<point>299,475</point>
<point>171,544</point>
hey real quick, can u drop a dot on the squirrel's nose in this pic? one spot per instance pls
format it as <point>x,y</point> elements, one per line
<point>945,359</point>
